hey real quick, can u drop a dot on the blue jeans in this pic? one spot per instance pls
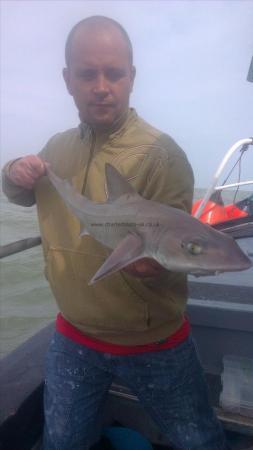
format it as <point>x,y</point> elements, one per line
<point>170,385</point>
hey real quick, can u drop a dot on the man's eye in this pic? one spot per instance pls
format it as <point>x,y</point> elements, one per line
<point>114,74</point>
<point>88,75</point>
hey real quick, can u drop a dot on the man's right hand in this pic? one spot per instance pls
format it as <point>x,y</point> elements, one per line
<point>26,171</point>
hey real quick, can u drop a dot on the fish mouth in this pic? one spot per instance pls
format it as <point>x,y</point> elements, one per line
<point>218,270</point>
<point>199,273</point>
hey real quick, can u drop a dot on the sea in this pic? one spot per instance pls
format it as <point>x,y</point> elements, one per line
<point>27,304</point>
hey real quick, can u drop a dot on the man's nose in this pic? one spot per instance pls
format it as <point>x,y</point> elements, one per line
<point>101,87</point>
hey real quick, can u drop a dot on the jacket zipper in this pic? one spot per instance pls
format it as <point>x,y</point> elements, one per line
<point>92,147</point>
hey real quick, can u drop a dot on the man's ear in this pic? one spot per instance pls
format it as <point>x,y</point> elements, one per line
<point>133,73</point>
<point>66,76</point>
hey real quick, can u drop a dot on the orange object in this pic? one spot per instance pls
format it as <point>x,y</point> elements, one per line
<point>215,212</point>
<point>212,213</point>
<point>234,212</point>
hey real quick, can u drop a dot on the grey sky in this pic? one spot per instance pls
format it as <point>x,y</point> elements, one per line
<point>192,59</point>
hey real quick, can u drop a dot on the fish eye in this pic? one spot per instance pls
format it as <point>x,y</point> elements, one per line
<point>193,247</point>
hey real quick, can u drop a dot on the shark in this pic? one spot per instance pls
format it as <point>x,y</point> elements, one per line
<point>134,227</point>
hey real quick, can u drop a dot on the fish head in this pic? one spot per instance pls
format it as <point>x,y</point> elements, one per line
<point>201,251</point>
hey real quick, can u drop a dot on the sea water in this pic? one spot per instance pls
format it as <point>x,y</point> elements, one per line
<point>27,304</point>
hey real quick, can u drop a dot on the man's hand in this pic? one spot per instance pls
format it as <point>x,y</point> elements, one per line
<point>26,171</point>
<point>144,268</point>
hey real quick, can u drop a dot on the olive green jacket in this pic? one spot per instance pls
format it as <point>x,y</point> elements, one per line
<point>119,308</point>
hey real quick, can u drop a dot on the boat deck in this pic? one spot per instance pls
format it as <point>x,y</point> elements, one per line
<point>221,317</point>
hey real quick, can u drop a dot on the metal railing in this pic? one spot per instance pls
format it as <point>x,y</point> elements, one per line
<point>19,246</point>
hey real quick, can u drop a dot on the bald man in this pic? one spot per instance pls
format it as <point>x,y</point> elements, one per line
<point>132,324</point>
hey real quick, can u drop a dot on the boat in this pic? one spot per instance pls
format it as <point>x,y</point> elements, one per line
<point>211,209</point>
<point>221,317</point>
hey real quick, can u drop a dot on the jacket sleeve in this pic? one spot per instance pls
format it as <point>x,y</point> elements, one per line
<point>171,181</point>
<point>16,194</point>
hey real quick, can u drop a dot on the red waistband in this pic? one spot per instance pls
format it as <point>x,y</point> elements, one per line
<point>67,329</point>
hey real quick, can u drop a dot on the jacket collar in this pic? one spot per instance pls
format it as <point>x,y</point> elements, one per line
<point>86,131</point>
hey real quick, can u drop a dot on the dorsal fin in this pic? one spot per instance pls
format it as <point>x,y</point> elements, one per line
<point>116,184</point>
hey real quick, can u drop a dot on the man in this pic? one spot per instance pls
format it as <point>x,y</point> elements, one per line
<point>130,324</point>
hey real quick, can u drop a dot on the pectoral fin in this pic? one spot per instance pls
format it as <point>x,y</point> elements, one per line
<point>127,251</point>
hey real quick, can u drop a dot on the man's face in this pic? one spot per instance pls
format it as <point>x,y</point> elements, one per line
<point>100,76</point>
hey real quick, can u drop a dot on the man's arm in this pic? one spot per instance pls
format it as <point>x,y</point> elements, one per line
<point>19,178</point>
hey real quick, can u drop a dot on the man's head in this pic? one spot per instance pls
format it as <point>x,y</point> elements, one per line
<point>99,73</point>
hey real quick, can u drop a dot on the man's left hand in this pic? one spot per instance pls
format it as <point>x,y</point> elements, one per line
<point>144,268</point>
